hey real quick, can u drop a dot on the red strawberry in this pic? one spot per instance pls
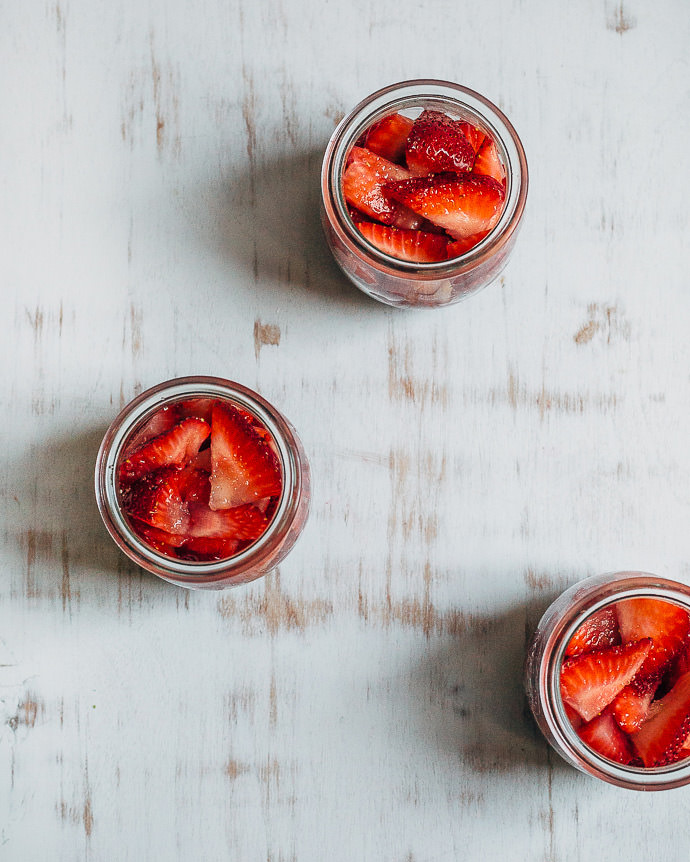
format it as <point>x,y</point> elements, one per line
<point>156,500</point>
<point>388,137</point>
<point>488,162</point>
<point>406,244</point>
<point>159,540</point>
<point>173,448</point>
<point>202,549</point>
<point>460,246</point>
<point>473,134</point>
<point>631,706</point>
<point>677,667</point>
<point>244,468</point>
<point>243,523</point>
<point>195,485</point>
<point>363,188</point>
<point>667,624</point>
<point>589,682</point>
<point>663,736</point>
<point>606,738</point>
<point>161,421</point>
<point>199,407</point>
<point>598,631</point>
<point>463,205</point>
<point>573,716</point>
<point>437,143</point>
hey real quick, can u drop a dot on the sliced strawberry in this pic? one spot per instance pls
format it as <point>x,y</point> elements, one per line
<point>460,246</point>
<point>573,717</point>
<point>488,162</point>
<point>437,143</point>
<point>589,682</point>
<point>363,182</point>
<point>156,500</point>
<point>199,407</point>
<point>243,523</point>
<point>195,485</point>
<point>631,707</point>
<point>598,631</point>
<point>173,448</point>
<point>412,245</point>
<point>604,736</point>
<point>679,665</point>
<point>244,467</point>
<point>160,540</point>
<point>667,624</point>
<point>664,734</point>
<point>388,137</point>
<point>464,205</point>
<point>161,421</point>
<point>473,134</point>
<point>202,549</point>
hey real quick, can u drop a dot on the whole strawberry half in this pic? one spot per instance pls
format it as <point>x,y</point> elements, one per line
<point>598,631</point>
<point>604,736</point>
<point>413,245</point>
<point>589,682</point>
<point>663,735</point>
<point>666,624</point>
<point>244,468</point>
<point>363,182</point>
<point>173,448</point>
<point>388,137</point>
<point>464,204</point>
<point>156,500</point>
<point>436,143</point>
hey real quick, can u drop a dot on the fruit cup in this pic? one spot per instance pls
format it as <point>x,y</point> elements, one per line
<point>607,677</point>
<point>202,482</point>
<point>423,187</point>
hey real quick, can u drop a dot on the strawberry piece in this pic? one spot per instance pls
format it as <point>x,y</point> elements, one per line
<point>160,540</point>
<point>463,205</point>
<point>631,707</point>
<point>437,143</point>
<point>199,407</point>
<point>676,668</point>
<point>363,183</point>
<point>665,623</point>
<point>388,137</point>
<point>173,448</point>
<point>603,735</point>
<point>598,631</point>
<point>589,682</point>
<point>195,485</point>
<point>663,736</point>
<point>573,717</point>
<point>161,421</point>
<point>243,523</point>
<point>202,549</point>
<point>412,245</point>
<point>474,135</point>
<point>244,468</point>
<point>460,246</point>
<point>488,162</point>
<point>156,500</point>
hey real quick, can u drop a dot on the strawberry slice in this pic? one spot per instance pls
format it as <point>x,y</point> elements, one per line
<point>604,736</point>
<point>412,245</point>
<point>589,682</point>
<point>198,407</point>
<point>363,183</point>
<point>202,549</point>
<point>161,421</point>
<point>388,137</point>
<point>631,707</point>
<point>663,736</point>
<point>667,624</point>
<point>463,205</point>
<point>156,500</point>
<point>244,468</point>
<point>437,143</point>
<point>473,134</point>
<point>195,485</point>
<point>173,448</point>
<point>243,523</point>
<point>160,540</point>
<point>488,162</point>
<point>598,631</point>
<point>460,246</point>
<point>677,667</point>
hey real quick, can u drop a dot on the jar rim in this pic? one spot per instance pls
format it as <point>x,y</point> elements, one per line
<point>133,415</point>
<point>622,585</point>
<point>408,94</point>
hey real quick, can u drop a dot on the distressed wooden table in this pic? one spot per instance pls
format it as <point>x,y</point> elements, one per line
<point>160,217</point>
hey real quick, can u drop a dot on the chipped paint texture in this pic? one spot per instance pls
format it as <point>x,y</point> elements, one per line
<point>160,177</point>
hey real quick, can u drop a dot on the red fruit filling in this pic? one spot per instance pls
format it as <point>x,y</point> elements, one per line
<point>406,182</point>
<point>206,486</point>
<point>626,673</point>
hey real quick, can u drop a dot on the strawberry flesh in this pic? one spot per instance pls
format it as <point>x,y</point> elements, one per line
<point>244,523</point>
<point>388,137</point>
<point>173,448</point>
<point>488,163</point>
<point>589,682</point>
<point>662,737</point>
<point>474,135</point>
<point>156,500</point>
<point>598,631</point>
<point>604,736</point>
<point>461,246</point>
<point>463,204</point>
<point>363,188</point>
<point>631,707</point>
<point>413,245</point>
<point>665,623</point>
<point>437,143</point>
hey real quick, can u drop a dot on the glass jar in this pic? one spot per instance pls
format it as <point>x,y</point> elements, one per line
<point>404,283</point>
<point>288,519</point>
<point>545,656</point>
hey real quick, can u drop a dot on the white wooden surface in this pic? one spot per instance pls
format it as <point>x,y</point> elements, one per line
<point>160,217</point>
